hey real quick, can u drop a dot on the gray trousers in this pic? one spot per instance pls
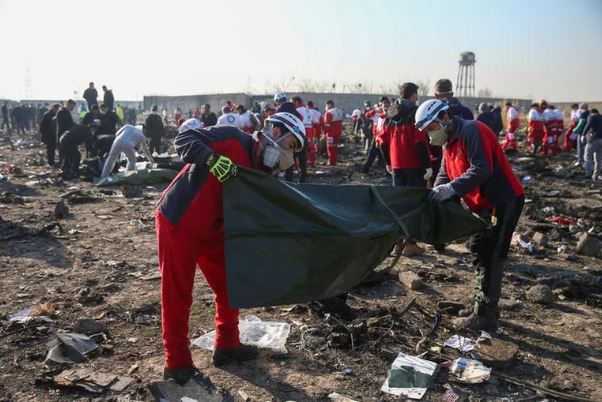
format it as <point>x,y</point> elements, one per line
<point>593,159</point>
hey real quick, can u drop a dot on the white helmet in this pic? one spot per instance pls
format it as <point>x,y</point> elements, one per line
<point>428,111</point>
<point>190,124</point>
<point>293,124</point>
<point>280,96</point>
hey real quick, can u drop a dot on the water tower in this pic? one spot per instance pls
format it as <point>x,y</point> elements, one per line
<point>465,81</point>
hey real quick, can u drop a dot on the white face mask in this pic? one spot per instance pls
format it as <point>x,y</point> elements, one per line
<point>274,156</point>
<point>438,137</point>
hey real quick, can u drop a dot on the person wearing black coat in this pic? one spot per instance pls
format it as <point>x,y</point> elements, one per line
<point>64,122</point>
<point>154,129</point>
<point>108,98</point>
<point>48,132</point>
<point>91,96</point>
<point>70,141</point>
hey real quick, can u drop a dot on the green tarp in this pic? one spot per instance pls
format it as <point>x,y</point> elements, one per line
<point>289,243</point>
<point>143,176</point>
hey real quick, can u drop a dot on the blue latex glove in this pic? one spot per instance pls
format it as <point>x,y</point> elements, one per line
<point>441,193</point>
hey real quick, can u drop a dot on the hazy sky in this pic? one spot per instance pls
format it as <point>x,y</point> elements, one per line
<point>534,48</point>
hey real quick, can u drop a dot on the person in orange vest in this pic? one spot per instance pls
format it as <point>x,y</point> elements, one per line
<point>512,118</point>
<point>333,128</point>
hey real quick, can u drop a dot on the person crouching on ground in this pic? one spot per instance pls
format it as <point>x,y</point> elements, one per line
<point>126,140</point>
<point>70,141</point>
<point>474,167</point>
<point>190,230</point>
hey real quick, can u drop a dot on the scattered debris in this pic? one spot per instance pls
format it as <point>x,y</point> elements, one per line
<point>409,376</point>
<point>37,313</point>
<point>71,347</point>
<point>469,371</point>
<point>92,381</point>
<point>540,239</point>
<point>254,332</point>
<point>465,344</point>
<point>88,326</point>
<point>199,388</point>
<point>523,242</point>
<point>61,211</point>
<point>589,245</point>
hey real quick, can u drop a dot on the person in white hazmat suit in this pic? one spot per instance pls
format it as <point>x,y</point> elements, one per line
<point>126,140</point>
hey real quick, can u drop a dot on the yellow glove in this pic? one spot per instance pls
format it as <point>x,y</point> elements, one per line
<point>221,167</point>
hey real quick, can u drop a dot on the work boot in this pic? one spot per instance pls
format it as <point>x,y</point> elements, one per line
<point>180,375</point>
<point>486,319</point>
<point>412,249</point>
<point>242,353</point>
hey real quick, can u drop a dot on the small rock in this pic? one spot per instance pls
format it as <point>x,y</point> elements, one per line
<point>589,245</point>
<point>495,352</point>
<point>540,294</point>
<point>335,397</point>
<point>540,239</point>
<point>411,280</point>
<point>88,326</point>
<point>61,210</point>
<point>509,304</point>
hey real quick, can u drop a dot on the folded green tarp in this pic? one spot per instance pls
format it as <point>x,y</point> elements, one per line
<point>143,176</point>
<point>288,243</point>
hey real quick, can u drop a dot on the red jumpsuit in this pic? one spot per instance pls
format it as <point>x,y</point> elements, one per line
<point>553,129</point>
<point>333,128</point>
<point>307,117</point>
<point>568,142</point>
<point>535,129</point>
<point>513,124</point>
<point>314,141</point>
<point>190,232</point>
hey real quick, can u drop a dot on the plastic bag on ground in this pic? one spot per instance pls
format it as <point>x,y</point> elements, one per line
<point>409,376</point>
<point>254,332</point>
<point>470,371</point>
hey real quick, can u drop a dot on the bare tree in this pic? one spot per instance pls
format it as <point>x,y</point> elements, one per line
<point>424,87</point>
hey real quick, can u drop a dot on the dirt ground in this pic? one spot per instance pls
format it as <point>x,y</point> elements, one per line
<point>99,261</point>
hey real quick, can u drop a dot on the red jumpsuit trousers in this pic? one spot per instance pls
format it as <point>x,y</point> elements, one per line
<point>180,251</point>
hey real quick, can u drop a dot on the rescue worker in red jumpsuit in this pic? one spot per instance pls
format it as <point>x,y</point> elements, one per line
<point>568,141</point>
<point>552,129</point>
<point>409,156</point>
<point>333,128</point>
<point>190,231</point>
<point>314,140</point>
<point>513,121</point>
<point>535,128</point>
<point>475,168</point>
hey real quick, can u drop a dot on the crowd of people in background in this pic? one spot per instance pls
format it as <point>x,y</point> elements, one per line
<point>382,128</point>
